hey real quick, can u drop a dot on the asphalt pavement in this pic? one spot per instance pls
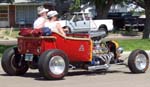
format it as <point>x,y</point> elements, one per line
<point>116,76</point>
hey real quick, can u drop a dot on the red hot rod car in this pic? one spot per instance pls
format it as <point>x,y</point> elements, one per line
<point>53,55</point>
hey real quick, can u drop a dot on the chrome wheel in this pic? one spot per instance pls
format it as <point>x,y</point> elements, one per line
<point>53,64</point>
<point>57,65</point>
<point>141,61</point>
<point>138,61</point>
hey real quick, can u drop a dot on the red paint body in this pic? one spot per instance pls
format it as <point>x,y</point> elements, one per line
<point>78,47</point>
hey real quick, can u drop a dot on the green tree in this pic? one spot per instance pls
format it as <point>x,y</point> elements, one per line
<point>103,6</point>
<point>146,5</point>
<point>10,1</point>
<point>76,5</point>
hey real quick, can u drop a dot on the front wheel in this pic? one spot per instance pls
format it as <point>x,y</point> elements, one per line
<point>138,61</point>
<point>53,64</point>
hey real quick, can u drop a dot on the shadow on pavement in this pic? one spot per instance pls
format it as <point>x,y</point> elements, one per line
<point>37,76</point>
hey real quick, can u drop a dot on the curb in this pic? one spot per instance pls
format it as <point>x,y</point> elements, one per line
<point>8,42</point>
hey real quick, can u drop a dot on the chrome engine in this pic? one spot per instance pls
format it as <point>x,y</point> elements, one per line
<point>101,52</point>
<point>102,56</point>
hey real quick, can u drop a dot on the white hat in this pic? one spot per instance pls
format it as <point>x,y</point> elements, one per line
<point>41,10</point>
<point>52,13</point>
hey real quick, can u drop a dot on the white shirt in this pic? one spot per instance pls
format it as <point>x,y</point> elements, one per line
<point>38,21</point>
<point>52,26</point>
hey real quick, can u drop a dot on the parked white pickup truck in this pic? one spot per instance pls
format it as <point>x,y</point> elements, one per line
<point>82,22</point>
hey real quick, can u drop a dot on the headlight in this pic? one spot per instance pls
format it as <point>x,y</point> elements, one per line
<point>120,50</point>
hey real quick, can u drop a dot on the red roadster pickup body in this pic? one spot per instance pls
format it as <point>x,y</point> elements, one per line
<point>77,49</point>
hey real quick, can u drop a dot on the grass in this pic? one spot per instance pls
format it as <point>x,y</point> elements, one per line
<point>5,33</point>
<point>2,49</point>
<point>14,33</point>
<point>133,44</point>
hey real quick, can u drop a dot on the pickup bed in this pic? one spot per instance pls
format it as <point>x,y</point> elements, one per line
<point>82,22</point>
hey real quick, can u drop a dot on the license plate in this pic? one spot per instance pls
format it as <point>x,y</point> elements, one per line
<point>28,57</point>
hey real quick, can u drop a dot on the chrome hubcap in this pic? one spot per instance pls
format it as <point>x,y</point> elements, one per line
<point>57,65</point>
<point>141,61</point>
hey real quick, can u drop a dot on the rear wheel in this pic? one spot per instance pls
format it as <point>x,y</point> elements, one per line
<point>53,64</point>
<point>138,61</point>
<point>13,63</point>
<point>103,30</point>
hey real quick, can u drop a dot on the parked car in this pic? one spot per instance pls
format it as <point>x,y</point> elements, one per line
<point>118,19</point>
<point>54,55</point>
<point>134,22</point>
<point>82,22</point>
<point>127,21</point>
